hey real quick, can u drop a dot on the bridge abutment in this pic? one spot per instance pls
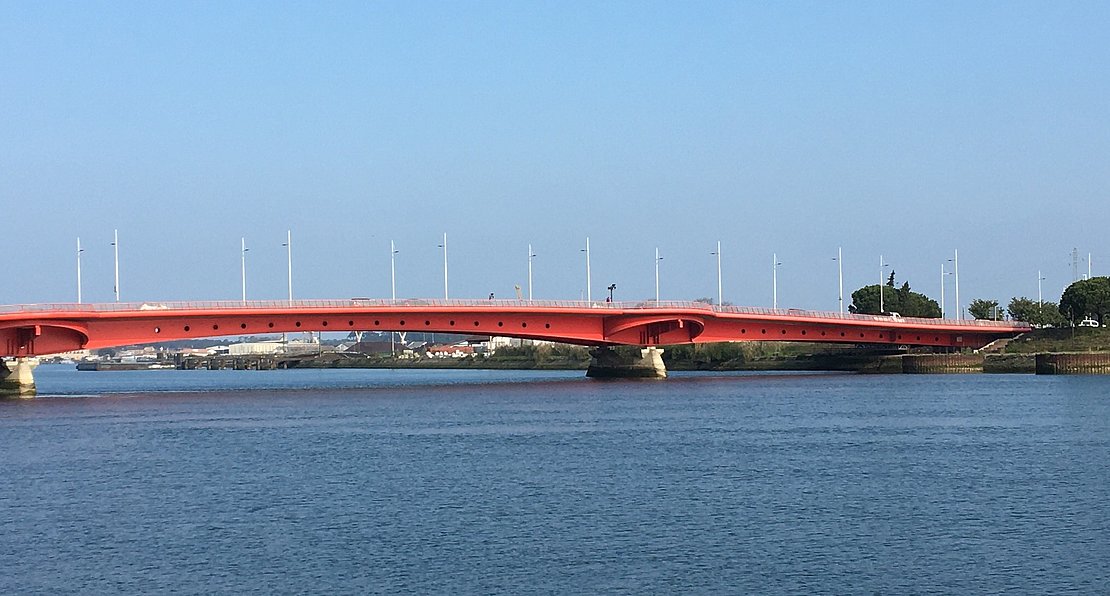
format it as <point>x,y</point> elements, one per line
<point>608,363</point>
<point>16,378</point>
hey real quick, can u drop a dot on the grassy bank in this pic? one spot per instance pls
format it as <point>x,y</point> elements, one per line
<point>1079,339</point>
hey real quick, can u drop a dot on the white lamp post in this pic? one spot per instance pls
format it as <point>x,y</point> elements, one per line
<point>79,251</point>
<point>589,294</point>
<point>657,259</point>
<point>882,282</point>
<point>720,297</point>
<point>775,281</point>
<point>289,259</point>
<point>943,282</point>
<point>444,247</point>
<point>243,264</point>
<point>115,245</point>
<point>955,260</point>
<point>531,255</point>
<point>392,271</point>
<point>839,258</point>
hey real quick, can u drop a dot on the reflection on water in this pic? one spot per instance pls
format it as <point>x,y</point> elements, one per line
<point>498,481</point>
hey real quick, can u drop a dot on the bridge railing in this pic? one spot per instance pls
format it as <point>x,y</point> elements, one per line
<point>523,304</point>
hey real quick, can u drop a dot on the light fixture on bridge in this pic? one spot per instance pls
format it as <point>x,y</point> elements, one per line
<point>79,251</point>
<point>393,270</point>
<point>243,264</point>
<point>955,260</point>
<point>775,280</point>
<point>115,244</point>
<point>657,259</point>
<point>611,288</point>
<point>444,247</point>
<point>288,244</point>
<point>720,296</point>
<point>531,256</point>
<point>882,282</point>
<point>589,294</point>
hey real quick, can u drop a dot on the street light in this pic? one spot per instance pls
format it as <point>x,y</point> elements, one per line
<point>657,259</point>
<point>719,293</point>
<point>243,264</point>
<point>1040,299</point>
<point>530,257</point>
<point>444,247</point>
<point>775,281</point>
<point>288,244</point>
<point>882,281</point>
<point>589,295</point>
<point>943,273</point>
<point>955,260</point>
<point>839,258</point>
<point>115,244</point>
<point>392,271</point>
<point>611,288</point>
<point>79,251</point>
<point>956,274</point>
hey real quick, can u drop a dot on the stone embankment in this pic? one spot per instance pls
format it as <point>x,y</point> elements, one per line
<point>1093,363</point>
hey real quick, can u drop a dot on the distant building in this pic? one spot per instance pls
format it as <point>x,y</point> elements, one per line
<point>459,350</point>
<point>252,348</point>
<point>371,347</point>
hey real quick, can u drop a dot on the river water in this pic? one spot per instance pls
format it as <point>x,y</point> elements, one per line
<point>377,481</point>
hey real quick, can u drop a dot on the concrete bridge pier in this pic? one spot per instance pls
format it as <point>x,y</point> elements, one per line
<point>16,379</point>
<point>608,363</point>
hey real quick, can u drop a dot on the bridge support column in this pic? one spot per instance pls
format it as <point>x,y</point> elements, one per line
<point>607,363</point>
<point>16,378</point>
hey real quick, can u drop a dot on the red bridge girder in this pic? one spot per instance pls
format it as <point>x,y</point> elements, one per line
<point>27,330</point>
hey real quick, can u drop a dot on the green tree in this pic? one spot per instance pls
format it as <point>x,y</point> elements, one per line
<point>1086,298</point>
<point>1035,313</point>
<point>985,309</point>
<point>900,300</point>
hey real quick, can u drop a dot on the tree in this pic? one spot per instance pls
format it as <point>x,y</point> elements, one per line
<point>1036,313</point>
<point>1086,298</point>
<point>900,300</point>
<point>985,309</point>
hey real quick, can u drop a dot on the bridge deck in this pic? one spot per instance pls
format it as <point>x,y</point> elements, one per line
<point>50,328</point>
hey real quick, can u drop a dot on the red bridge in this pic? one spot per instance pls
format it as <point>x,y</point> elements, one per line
<point>39,329</point>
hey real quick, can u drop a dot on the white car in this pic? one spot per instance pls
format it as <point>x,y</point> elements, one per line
<point>1088,323</point>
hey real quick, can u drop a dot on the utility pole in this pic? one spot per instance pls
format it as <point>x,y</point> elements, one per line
<point>840,275</point>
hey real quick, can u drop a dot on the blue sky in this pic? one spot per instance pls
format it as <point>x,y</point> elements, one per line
<point>902,129</point>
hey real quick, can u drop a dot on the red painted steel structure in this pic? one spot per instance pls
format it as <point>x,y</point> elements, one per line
<point>40,329</point>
